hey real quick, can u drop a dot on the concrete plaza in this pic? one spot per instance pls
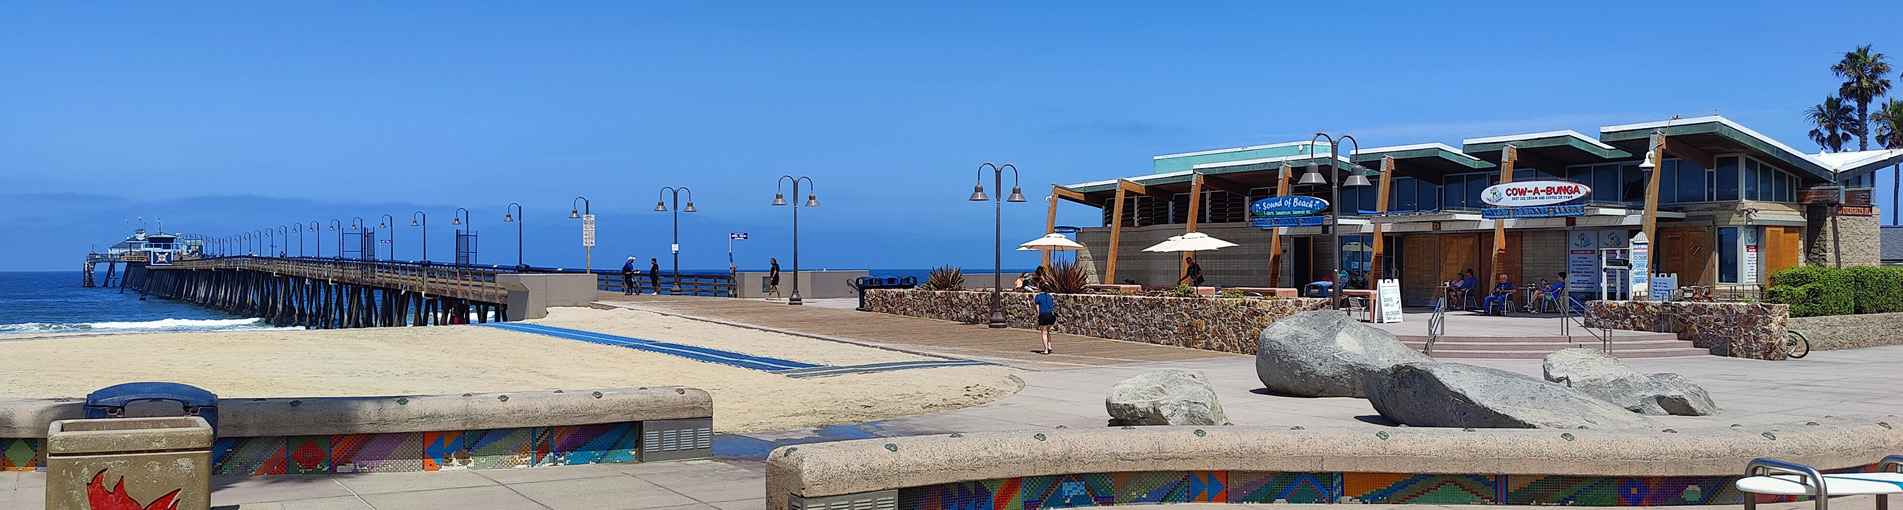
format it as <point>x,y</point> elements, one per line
<point>1057,393</point>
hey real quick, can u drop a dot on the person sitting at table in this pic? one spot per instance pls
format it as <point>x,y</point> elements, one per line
<point>1502,295</point>
<point>1545,290</point>
<point>1457,288</point>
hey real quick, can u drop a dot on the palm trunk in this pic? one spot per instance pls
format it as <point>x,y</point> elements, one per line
<point>1863,125</point>
<point>1896,172</point>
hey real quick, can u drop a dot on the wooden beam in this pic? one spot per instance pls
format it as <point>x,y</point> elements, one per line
<point>1140,189</point>
<point>1381,207</point>
<point>1651,219</point>
<point>1508,156</point>
<point>1689,153</point>
<point>1116,236</point>
<point>1050,219</point>
<point>1275,233</point>
<point>1195,208</point>
<point>1070,194</point>
<point>1225,184</point>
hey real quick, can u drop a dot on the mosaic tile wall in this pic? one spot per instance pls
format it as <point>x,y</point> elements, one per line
<point>1105,489</point>
<point>1216,324</point>
<point>393,453</point>
<point>1739,330</point>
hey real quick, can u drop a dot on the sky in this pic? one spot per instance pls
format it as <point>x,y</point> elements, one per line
<point>227,118</point>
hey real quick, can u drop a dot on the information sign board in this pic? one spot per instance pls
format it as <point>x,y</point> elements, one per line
<point>1388,301</point>
<point>588,230</point>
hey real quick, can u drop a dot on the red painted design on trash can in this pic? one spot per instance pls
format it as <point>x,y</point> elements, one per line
<point>98,497</point>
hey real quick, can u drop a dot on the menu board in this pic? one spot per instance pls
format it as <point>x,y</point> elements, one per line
<point>1388,297</point>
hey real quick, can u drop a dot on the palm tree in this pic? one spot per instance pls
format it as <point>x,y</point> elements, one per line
<point>1833,119</point>
<point>1889,119</point>
<point>1863,81</point>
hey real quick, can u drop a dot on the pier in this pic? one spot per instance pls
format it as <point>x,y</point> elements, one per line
<point>332,293</point>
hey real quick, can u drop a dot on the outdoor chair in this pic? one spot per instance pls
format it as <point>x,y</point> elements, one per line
<point>1780,478</point>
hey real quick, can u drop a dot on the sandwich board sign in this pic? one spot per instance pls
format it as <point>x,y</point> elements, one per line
<point>1388,301</point>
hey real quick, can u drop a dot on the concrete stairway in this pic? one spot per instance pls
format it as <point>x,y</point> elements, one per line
<point>1625,344</point>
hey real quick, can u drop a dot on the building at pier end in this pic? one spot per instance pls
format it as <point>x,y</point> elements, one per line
<point>1732,206</point>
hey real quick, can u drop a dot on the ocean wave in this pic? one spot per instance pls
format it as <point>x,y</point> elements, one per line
<point>140,326</point>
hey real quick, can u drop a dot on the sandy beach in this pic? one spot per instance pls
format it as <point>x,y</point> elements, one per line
<point>462,359</point>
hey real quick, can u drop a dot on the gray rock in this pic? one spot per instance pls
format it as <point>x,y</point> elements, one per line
<point>1324,353</point>
<point>1603,376</point>
<point>1167,397</point>
<point>1456,395</point>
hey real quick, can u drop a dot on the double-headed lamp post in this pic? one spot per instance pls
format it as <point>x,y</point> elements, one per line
<point>356,224</point>
<point>811,200</point>
<point>418,219</point>
<point>388,224</point>
<point>457,218</point>
<point>661,205</point>
<point>587,222</point>
<point>1355,180</point>
<point>978,195</point>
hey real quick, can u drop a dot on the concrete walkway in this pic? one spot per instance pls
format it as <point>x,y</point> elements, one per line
<point>1751,392</point>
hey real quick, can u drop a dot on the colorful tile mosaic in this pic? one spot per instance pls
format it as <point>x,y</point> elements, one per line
<point>1068,491</point>
<point>589,444</point>
<point>20,454</point>
<point>1389,488</point>
<point>979,495</point>
<point>1264,487</point>
<point>378,453</point>
<point>249,456</point>
<point>308,455</point>
<point>444,450</point>
<point>500,449</point>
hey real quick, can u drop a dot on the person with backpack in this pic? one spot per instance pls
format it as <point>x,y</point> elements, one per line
<point>627,277</point>
<point>1046,316</point>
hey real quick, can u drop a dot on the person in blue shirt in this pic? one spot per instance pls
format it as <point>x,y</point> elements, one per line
<point>1502,295</point>
<point>1046,316</point>
<point>627,277</point>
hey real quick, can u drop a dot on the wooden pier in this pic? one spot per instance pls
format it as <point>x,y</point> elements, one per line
<point>331,293</point>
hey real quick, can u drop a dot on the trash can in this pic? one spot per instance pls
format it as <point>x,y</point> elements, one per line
<point>865,283</point>
<point>138,463</point>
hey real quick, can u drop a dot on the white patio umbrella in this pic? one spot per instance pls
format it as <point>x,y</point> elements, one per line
<point>1165,246</point>
<point>1051,242</point>
<point>1193,241</point>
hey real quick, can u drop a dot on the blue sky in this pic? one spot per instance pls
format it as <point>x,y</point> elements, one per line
<point>229,117</point>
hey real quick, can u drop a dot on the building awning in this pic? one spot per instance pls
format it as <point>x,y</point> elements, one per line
<point>1550,151</point>
<point>1714,135</point>
<point>1422,161</point>
<point>1855,163</point>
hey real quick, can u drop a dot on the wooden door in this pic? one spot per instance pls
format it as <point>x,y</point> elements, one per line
<point>1421,275</point>
<point>1783,249</point>
<point>1459,252</point>
<point>1687,251</point>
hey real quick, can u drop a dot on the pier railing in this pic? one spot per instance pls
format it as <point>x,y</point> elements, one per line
<point>714,284</point>
<point>446,280</point>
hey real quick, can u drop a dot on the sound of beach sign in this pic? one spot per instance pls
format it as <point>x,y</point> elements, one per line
<point>1532,193</point>
<point>1283,207</point>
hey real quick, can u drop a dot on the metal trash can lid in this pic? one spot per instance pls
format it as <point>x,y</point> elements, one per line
<point>116,435</point>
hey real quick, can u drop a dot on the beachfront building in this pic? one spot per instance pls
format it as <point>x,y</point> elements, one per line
<point>1731,206</point>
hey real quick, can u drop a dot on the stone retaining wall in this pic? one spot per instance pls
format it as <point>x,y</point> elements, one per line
<point>1835,332</point>
<point>1216,324</point>
<point>322,435</point>
<point>1739,330</point>
<point>1249,464</point>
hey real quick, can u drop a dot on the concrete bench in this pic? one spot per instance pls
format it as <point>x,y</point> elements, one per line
<point>1801,480</point>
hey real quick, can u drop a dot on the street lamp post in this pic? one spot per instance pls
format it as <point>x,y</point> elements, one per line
<point>317,236</point>
<point>389,226</point>
<point>518,219</point>
<point>422,220</point>
<point>338,227</point>
<point>780,199</point>
<point>258,235</point>
<point>661,205</point>
<point>273,247</point>
<point>284,232</point>
<point>298,228</point>
<point>588,231</point>
<point>1355,180</point>
<point>458,218</point>
<point>978,195</point>
<point>356,223</point>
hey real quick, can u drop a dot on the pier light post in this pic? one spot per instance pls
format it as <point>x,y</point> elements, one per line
<point>587,231</point>
<point>418,219</point>
<point>517,218</point>
<point>272,248</point>
<point>780,199</point>
<point>1355,180</point>
<point>316,236</point>
<point>284,232</point>
<point>389,226</point>
<point>356,223</point>
<point>459,217</point>
<point>258,235</point>
<point>298,228</point>
<point>338,227</point>
<point>661,205</point>
<point>978,195</point>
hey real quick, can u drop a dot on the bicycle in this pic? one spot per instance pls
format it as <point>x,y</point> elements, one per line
<point>1795,344</point>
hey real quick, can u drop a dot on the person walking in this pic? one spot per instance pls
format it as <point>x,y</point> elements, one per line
<point>773,279</point>
<point>654,275</point>
<point>627,277</point>
<point>1046,316</point>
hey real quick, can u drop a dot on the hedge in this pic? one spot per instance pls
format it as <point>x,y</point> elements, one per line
<point>1816,290</point>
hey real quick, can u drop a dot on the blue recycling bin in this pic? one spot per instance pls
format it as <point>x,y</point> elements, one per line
<point>110,402</point>
<point>865,283</point>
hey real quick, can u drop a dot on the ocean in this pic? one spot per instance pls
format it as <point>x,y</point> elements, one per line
<point>54,302</point>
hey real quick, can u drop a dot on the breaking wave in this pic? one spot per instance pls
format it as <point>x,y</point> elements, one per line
<point>143,326</point>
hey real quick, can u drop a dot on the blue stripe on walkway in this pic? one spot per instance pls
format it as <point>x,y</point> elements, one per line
<point>686,351</point>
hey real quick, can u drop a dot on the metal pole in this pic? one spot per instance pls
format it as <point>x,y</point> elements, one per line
<point>676,247</point>
<point>795,299</point>
<point>997,250</point>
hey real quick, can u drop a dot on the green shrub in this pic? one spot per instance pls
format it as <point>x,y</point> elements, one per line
<point>1184,290</point>
<point>1065,277</point>
<point>946,277</point>
<point>1233,293</point>
<point>1816,290</point>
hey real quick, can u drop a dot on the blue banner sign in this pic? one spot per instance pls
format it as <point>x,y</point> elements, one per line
<point>1544,211</point>
<point>1300,221</point>
<point>1282,207</point>
<point>1066,230</point>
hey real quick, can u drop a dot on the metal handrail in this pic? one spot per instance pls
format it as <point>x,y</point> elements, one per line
<point>460,282</point>
<point>1762,467</point>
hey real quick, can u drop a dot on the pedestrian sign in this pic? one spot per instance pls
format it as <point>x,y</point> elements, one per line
<point>737,236</point>
<point>588,231</point>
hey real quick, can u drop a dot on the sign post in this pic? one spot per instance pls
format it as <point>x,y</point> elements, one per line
<point>1388,301</point>
<point>731,237</point>
<point>588,241</point>
<point>1641,271</point>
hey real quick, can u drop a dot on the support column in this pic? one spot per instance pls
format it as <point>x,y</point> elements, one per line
<point>1050,223</point>
<point>1381,209</point>
<point>1116,237</point>
<point>1508,155</point>
<point>1651,218</point>
<point>1195,212</point>
<point>1275,233</point>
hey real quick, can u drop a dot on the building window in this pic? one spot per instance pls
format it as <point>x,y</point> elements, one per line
<point>1728,255</point>
<point>1463,191</point>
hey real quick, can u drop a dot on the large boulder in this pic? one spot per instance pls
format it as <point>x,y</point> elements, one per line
<point>1167,397</point>
<point>1324,353</point>
<point>1456,395</point>
<point>1597,374</point>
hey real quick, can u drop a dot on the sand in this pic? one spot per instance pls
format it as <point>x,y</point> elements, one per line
<point>464,359</point>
